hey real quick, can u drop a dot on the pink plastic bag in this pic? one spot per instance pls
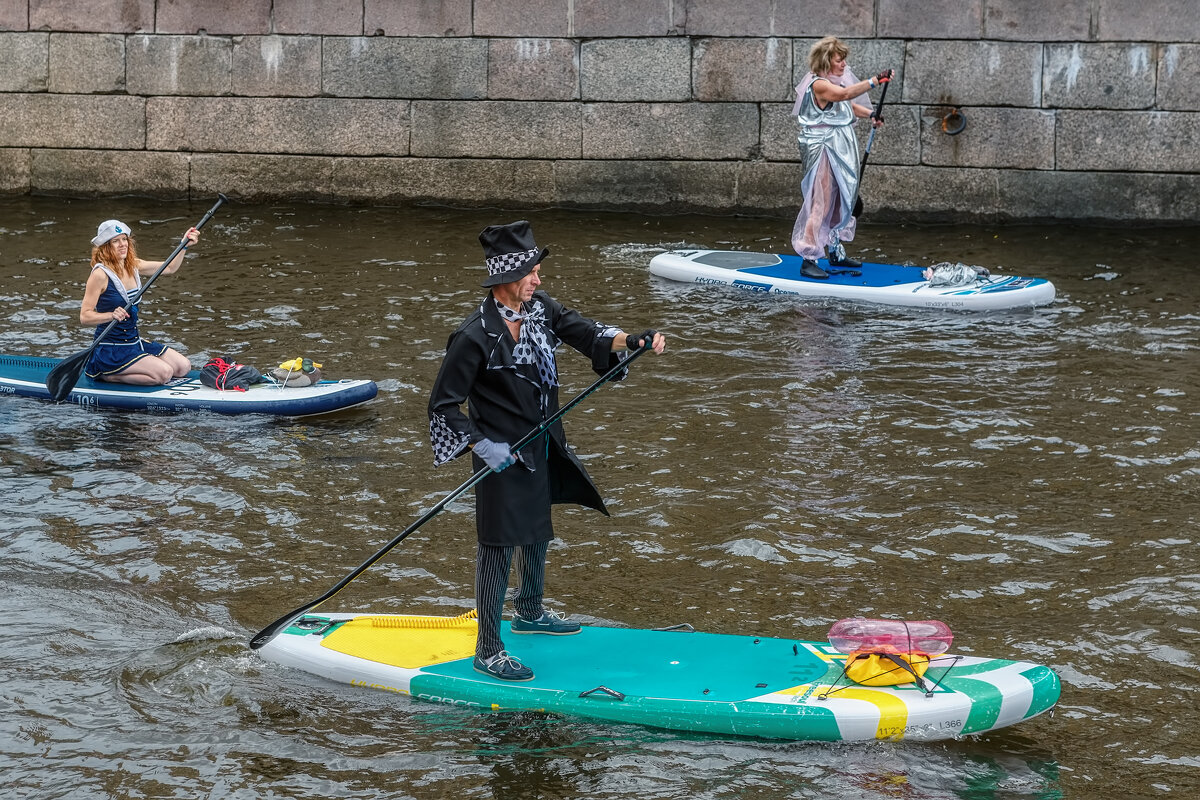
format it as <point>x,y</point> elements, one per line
<point>858,634</point>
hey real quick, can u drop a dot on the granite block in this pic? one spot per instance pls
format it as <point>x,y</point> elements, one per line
<point>1001,138</point>
<point>70,121</point>
<point>932,194</point>
<point>1116,75</point>
<point>103,173</point>
<point>14,15</point>
<point>522,18</point>
<point>659,186</point>
<point>312,126</point>
<point>1138,141</point>
<point>635,70</point>
<point>1178,66</point>
<point>1100,197</point>
<point>24,62</point>
<point>14,170</point>
<point>845,18</point>
<point>405,68</point>
<point>213,17</point>
<point>778,132</point>
<point>495,129</point>
<point>898,141</point>
<point>418,18</point>
<point>930,19</point>
<point>263,178</point>
<point>533,69</point>
<point>1168,21</point>
<point>178,65</point>
<point>96,16</point>
<point>322,17</point>
<point>728,18</point>
<point>460,182</point>
<point>769,188</point>
<point>742,70</point>
<point>277,66</point>
<point>973,74</point>
<point>619,18</point>
<point>1038,21</point>
<point>670,131</point>
<point>87,63</point>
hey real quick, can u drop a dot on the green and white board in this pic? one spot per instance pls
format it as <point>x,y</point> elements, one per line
<point>674,679</point>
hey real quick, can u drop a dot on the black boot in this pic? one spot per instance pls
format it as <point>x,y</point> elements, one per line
<point>809,269</point>
<point>838,258</point>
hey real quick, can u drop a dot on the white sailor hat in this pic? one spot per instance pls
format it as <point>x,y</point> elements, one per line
<point>109,229</point>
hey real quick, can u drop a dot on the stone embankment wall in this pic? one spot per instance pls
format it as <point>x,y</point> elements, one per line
<point>1074,109</point>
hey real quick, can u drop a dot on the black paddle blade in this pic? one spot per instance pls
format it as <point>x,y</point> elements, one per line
<point>858,208</point>
<point>65,374</point>
<point>268,633</point>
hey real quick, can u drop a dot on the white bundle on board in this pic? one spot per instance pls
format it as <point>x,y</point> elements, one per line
<point>954,274</point>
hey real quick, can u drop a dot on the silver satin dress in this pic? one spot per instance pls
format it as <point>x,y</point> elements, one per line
<point>830,152</point>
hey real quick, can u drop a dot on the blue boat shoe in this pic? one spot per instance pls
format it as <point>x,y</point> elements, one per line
<point>504,667</point>
<point>551,622</point>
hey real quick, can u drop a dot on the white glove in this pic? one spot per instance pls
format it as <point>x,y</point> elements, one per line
<point>495,454</point>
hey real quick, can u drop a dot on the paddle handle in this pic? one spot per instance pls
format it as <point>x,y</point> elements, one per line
<point>877,114</point>
<point>183,243</point>
<point>268,633</point>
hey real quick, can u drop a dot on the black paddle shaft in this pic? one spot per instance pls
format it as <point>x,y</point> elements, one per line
<point>66,373</point>
<point>878,114</point>
<point>268,633</point>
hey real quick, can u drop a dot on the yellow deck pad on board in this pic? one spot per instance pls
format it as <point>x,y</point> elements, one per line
<point>406,642</point>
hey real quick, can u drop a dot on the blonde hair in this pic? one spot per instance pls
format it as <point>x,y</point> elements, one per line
<point>820,56</point>
<point>106,254</point>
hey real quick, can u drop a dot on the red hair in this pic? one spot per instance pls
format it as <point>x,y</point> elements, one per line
<point>106,254</point>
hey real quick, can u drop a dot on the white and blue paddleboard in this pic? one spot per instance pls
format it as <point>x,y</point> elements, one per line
<point>887,284</point>
<point>25,376</point>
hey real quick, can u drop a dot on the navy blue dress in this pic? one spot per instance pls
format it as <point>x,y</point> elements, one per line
<point>122,346</point>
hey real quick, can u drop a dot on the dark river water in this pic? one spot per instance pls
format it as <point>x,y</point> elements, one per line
<point>1029,477</point>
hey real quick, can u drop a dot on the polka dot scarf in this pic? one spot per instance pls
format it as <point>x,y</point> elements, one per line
<point>533,347</point>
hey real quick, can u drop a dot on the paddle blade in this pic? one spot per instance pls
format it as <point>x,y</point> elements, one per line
<point>268,633</point>
<point>65,374</point>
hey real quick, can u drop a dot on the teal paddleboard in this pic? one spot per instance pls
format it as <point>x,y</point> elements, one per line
<point>675,679</point>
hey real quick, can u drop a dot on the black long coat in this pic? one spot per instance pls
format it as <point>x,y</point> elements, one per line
<point>505,402</point>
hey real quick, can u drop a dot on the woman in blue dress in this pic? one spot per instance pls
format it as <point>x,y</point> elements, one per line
<point>123,356</point>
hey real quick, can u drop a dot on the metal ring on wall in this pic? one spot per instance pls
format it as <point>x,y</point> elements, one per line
<point>954,122</point>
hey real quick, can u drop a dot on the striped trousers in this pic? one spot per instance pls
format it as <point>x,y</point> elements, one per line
<point>492,565</point>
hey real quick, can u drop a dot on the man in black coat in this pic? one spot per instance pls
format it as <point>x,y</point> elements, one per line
<point>501,363</point>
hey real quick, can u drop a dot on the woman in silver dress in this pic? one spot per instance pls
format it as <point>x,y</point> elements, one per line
<point>828,101</point>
